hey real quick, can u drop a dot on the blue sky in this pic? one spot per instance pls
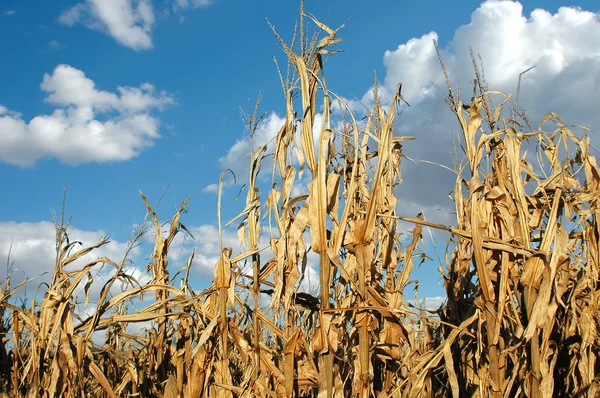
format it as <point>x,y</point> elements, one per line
<point>206,59</point>
<point>212,63</point>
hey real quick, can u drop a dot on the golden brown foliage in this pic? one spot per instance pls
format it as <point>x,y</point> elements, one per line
<point>522,283</point>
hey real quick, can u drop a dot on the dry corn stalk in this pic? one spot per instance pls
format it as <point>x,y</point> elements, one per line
<point>522,281</point>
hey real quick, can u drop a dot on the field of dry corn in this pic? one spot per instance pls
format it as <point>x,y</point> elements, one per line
<point>521,274</point>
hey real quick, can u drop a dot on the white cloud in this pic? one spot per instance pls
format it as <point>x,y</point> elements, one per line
<point>430,303</point>
<point>73,133</point>
<point>32,253</point>
<point>564,47</point>
<point>205,244</point>
<point>182,4</point>
<point>8,13</point>
<point>434,213</point>
<point>70,87</point>
<point>355,105</point>
<point>237,158</point>
<point>71,16</point>
<point>508,43</point>
<point>300,186</point>
<point>53,45</point>
<point>312,279</point>
<point>211,188</point>
<point>413,64</point>
<point>129,22</point>
<point>32,249</point>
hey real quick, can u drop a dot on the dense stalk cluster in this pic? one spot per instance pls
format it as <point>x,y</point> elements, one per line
<point>521,277</point>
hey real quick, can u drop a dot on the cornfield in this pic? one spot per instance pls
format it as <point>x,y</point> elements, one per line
<point>521,273</point>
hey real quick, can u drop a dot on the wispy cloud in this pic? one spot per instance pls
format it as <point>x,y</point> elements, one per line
<point>53,45</point>
<point>182,4</point>
<point>211,188</point>
<point>8,13</point>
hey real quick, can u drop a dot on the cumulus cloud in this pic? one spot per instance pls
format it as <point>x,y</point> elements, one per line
<point>129,22</point>
<point>32,251</point>
<point>206,253</point>
<point>74,133</point>
<point>237,158</point>
<point>564,48</point>
<point>205,246</point>
<point>31,248</point>
<point>211,188</point>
